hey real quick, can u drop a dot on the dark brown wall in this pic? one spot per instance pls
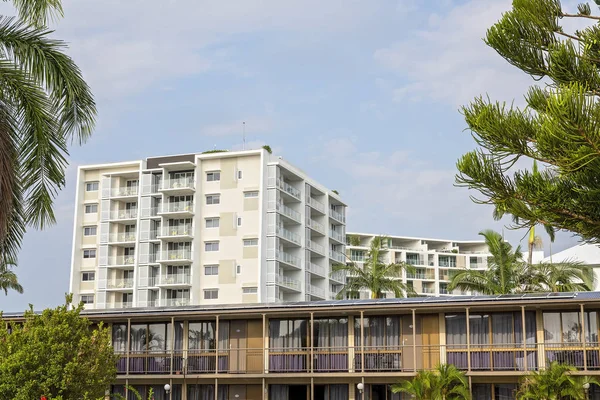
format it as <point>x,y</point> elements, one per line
<point>153,162</point>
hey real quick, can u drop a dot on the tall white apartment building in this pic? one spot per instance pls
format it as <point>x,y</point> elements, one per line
<point>433,259</point>
<point>210,228</point>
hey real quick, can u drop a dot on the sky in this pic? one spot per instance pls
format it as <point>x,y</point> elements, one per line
<point>364,96</point>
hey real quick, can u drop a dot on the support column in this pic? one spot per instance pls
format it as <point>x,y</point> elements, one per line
<point>217,388</point>
<point>264,389</point>
<point>265,345</point>
<point>468,340</point>
<point>216,348</point>
<point>128,345</point>
<point>442,338</point>
<point>311,344</point>
<point>312,388</point>
<point>414,335</point>
<point>172,343</point>
<point>539,322</point>
<point>351,343</point>
<point>524,333</point>
<point>362,341</point>
<point>582,318</point>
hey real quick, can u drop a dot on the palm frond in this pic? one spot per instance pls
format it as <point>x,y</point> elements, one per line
<point>38,12</point>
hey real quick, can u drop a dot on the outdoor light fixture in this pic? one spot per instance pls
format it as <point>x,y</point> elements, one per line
<point>167,388</point>
<point>360,386</point>
<point>586,388</point>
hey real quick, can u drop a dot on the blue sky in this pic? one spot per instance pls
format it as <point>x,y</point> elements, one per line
<point>362,95</point>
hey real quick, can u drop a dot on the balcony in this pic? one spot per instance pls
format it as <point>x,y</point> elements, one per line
<point>288,235</point>
<point>124,304</point>
<point>316,269</point>
<point>337,256</point>
<point>288,189</point>
<point>288,259</point>
<point>124,192</point>
<point>428,290</point>
<point>315,226</point>
<point>315,247</point>
<point>178,232</point>
<point>121,261</point>
<point>175,280</point>
<point>178,186</point>
<point>288,212</point>
<point>123,215</point>
<point>315,291</point>
<point>338,276</point>
<point>175,256</point>
<point>337,236</point>
<point>177,209</point>
<point>478,265</point>
<point>119,283</point>
<point>123,237</point>
<point>288,283</point>
<point>337,216</point>
<point>317,205</point>
<point>174,302</point>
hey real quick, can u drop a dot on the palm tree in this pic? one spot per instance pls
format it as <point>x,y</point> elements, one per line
<point>135,393</point>
<point>445,383</point>
<point>567,276</point>
<point>375,275</point>
<point>554,383</point>
<point>44,105</point>
<point>8,279</point>
<point>506,272</point>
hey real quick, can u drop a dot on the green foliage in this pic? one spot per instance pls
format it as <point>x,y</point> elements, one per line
<point>353,240</point>
<point>558,128</point>
<point>56,354</point>
<point>336,192</point>
<point>214,151</point>
<point>268,149</point>
<point>44,105</point>
<point>554,383</point>
<point>8,279</point>
<point>135,393</point>
<point>375,275</point>
<point>445,383</point>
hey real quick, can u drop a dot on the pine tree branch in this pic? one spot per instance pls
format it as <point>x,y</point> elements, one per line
<point>580,16</point>
<point>569,36</point>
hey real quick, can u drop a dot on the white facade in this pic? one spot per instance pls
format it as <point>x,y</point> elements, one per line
<point>434,259</point>
<point>585,253</point>
<point>216,228</point>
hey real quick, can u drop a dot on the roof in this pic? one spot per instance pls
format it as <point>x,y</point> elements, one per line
<point>585,253</point>
<point>514,299</point>
<point>477,241</point>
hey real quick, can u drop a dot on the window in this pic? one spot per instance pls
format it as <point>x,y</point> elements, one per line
<point>89,231</point>
<point>239,174</point>
<point>91,208</point>
<point>250,290</point>
<point>87,299</point>
<point>213,199</point>
<point>89,253</point>
<point>239,221</point>
<point>212,222</point>
<point>250,242</point>
<point>238,269</point>
<point>88,276</point>
<point>213,176</point>
<point>211,294</point>
<point>211,270</point>
<point>253,193</point>
<point>211,246</point>
<point>91,186</point>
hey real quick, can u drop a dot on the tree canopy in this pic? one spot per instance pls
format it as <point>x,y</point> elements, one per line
<point>558,127</point>
<point>57,354</point>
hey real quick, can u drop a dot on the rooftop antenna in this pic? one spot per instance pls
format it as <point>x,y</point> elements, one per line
<point>243,135</point>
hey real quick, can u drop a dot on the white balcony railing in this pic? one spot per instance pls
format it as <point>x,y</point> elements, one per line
<point>289,189</point>
<point>124,214</point>
<point>183,230</point>
<point>428,290</point>
<point>337,216</point>
<point>311,223</point>
<point>175,279</point>
<point>288,258</point>
<point>119,283</point>
<point>178,206</point>
<point>174,302</point>
<point>175,255</point>
<point>316,204</point>
<point>336,235</point>
<point>178,183</point>
<point>315,269</point>
<point>124,191</point>
<point>288,212</point>
<point>288,235</point>
<point>338,276</point>
<point>316,291</point>
<point>121,260</point>
<point>337,256</point>
<point>123,304</point>
<point>289,282</point>
<point>316,247</point>
<point>121,237</point>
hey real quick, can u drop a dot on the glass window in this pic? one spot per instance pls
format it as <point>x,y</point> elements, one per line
<point>211,270</point>
<point>119,337</point>
<point>87,299</point>
<point>211,246</point>
<point>238,269</point>
<point>239,221</point>
<point>213,199</point>
<point>213,176</point>
<point>91,186</point>
<point>88,276</point>
<point>239,175</point>
<point>288,334</point>
<point>211,294</point>
<point>89,253</point>
<point>89,231</point>
<point>250,242</point>
<point>330,332</point>
<point>201,335</point>
<point>250,290</point>
<point>91,208</point>
<point>378,331</point>
<point>212,222</point>
<point>250,194</point>
<point>565,327</point>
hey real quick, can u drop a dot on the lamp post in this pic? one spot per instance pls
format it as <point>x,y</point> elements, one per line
<point>167,388</point>
<point>586,388</point>
<point>360,386</point>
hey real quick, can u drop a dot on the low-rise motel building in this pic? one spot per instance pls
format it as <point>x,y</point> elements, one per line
<point>348,349</point>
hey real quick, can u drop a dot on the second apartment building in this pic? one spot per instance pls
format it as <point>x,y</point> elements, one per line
<point>208,228</point>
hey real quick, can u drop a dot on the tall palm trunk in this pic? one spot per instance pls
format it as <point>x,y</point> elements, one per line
<point>531,245</point>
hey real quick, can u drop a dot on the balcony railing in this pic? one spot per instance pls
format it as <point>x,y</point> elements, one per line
<point>119,283</point>
<point>288,212</point>
<point>176,231</point>
<point>337,216</point>
<point>178,206</point>
<point>316,247</point>
<point>315,291</point>
<point>178,183</point>
<point>336,235</point>
<point>315,269</point>
<point>124,214</point>
<point>337,256</point>
<point>288,282</point>
<point>174,302</point>
<point>121,260</point>
<point>175,279</point>
<point>478,265</point>
<point>428,290</point>
<point>121,237</point>
<point>124,304</point>
<point>316,204</point>
<point>289,189</point>
<point>311,223</point>
<point>123,191</point>
<point>287,258</point>
<point>338,276</point>
<point>175,255</point>
<point>288,235</point>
